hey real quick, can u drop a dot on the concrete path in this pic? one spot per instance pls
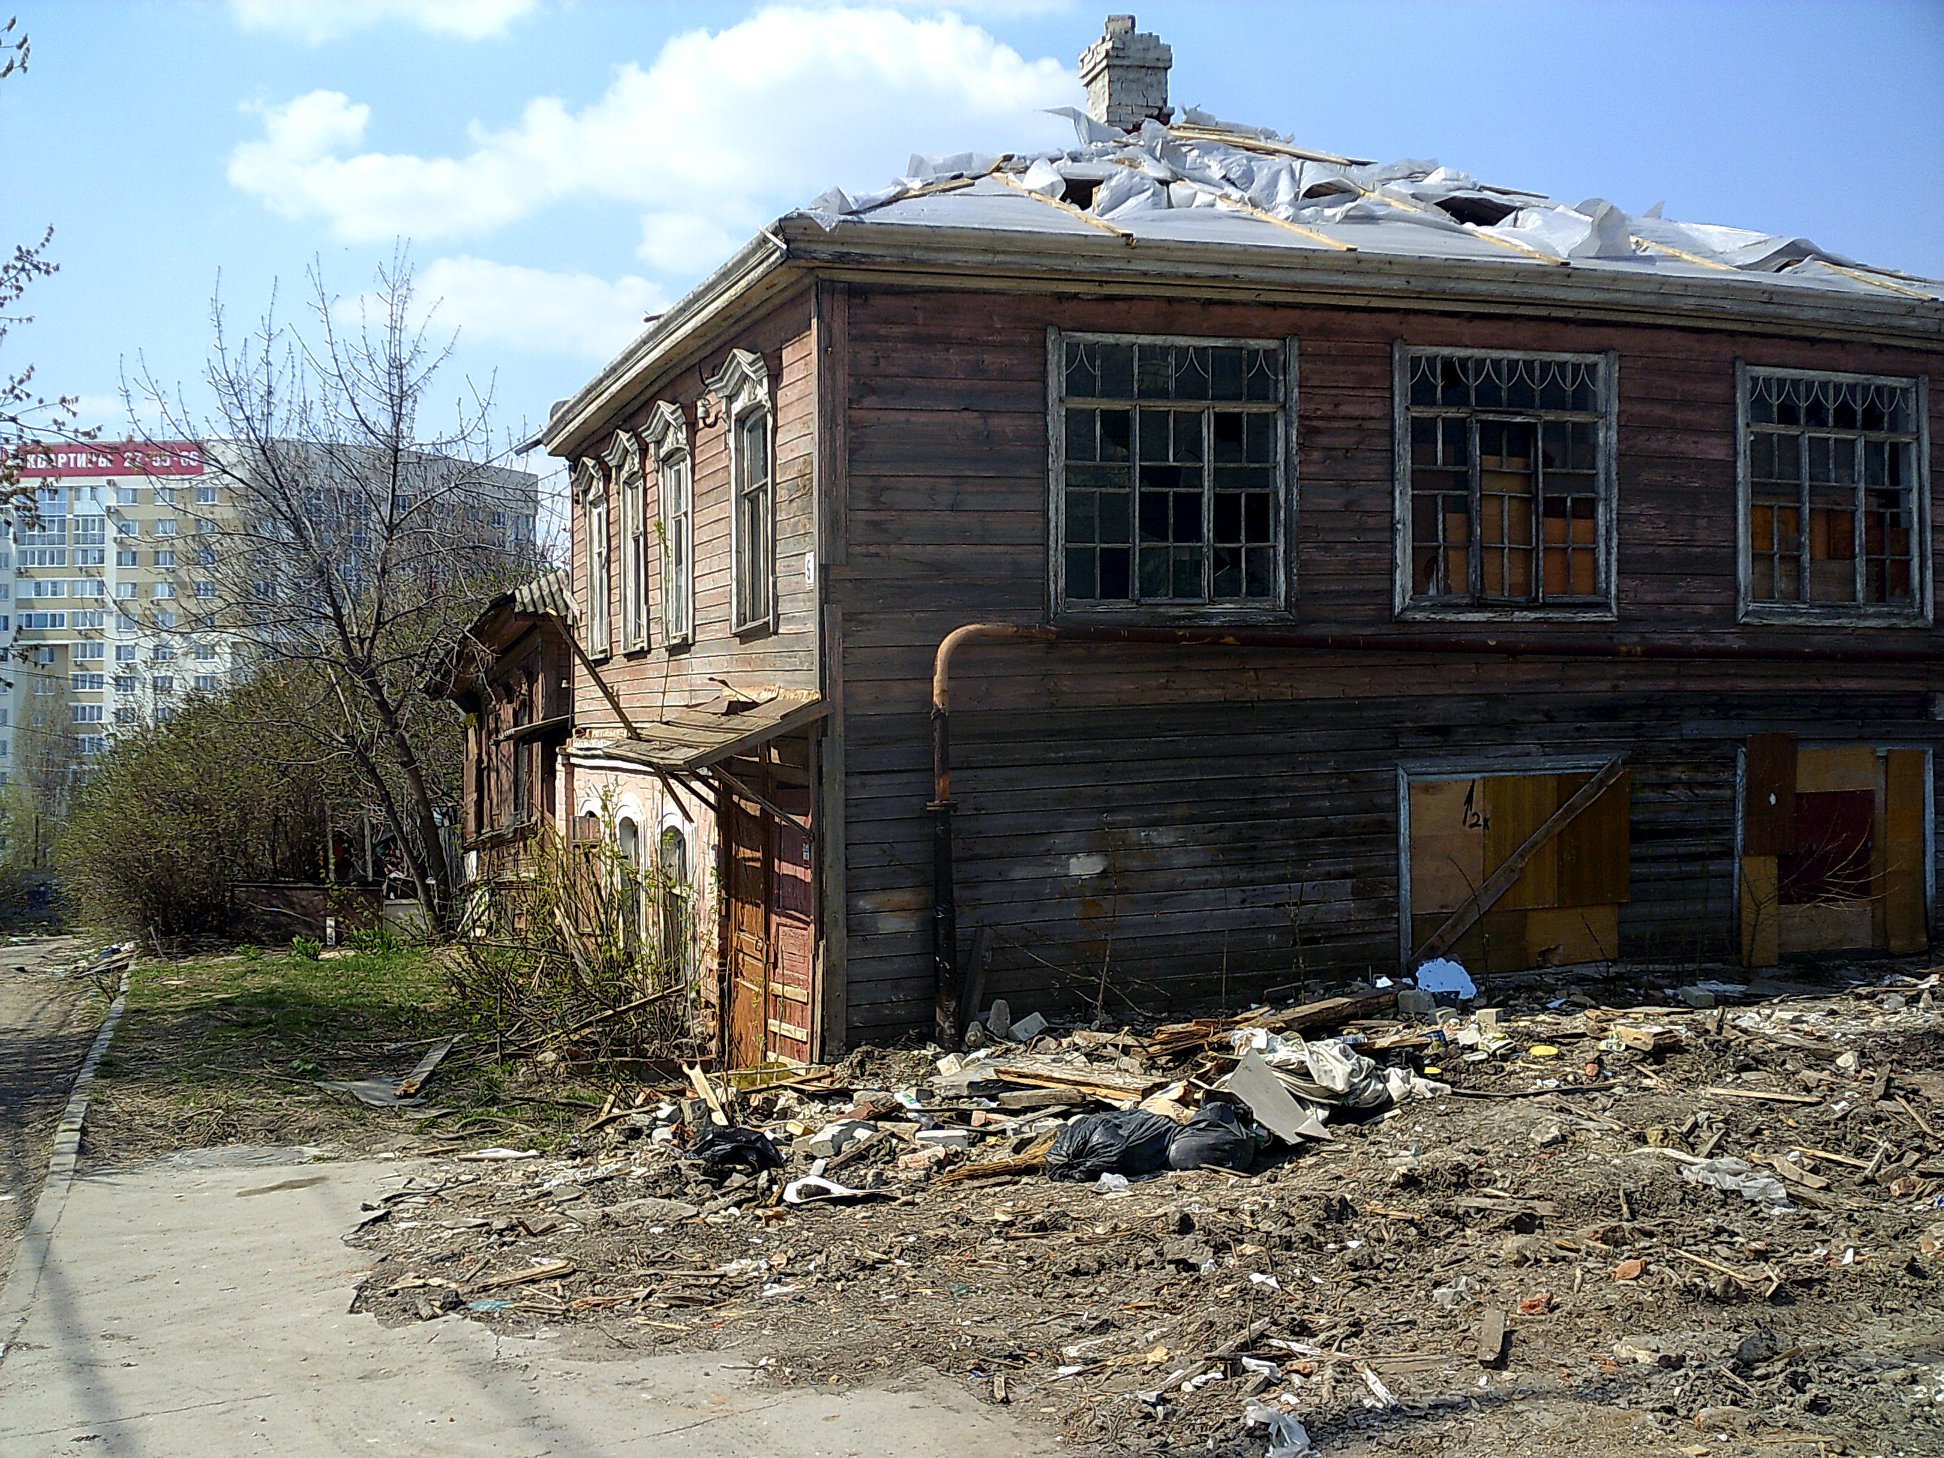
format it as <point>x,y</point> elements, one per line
<point>198,1305</point>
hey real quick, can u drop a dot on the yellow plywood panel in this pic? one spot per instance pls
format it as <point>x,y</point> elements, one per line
<point>1566,935</point>
<point>1851,768</point>
<point>1445,870</point>
<point>1830,926</point>
<point>1902,847</point>
<point>1761,899</point>
<point>1502,940</point>
<point>1594,850</point>
<point>1517,805</point>
<point>1446,807</point>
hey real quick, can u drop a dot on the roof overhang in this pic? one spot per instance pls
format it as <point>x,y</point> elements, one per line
<point>693,739</point>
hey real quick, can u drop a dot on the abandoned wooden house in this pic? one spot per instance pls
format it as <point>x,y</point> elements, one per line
<point>1188,563</point>
<point>511,673</point>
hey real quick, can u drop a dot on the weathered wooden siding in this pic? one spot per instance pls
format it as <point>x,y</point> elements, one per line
<point>648,678</point>
<point>1242,805</point>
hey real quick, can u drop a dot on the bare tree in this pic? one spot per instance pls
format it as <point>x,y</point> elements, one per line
<point>26,416</point>
<point>351,536</point>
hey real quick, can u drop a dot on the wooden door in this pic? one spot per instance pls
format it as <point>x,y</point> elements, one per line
<point>749,949</point>
<point>792,932</point>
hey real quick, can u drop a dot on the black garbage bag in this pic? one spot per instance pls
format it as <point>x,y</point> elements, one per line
<point>735,1150</point>
<point>1125,1142</point>
<point>1218,1134</point>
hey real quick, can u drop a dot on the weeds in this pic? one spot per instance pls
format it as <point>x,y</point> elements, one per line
<point>589,953</point>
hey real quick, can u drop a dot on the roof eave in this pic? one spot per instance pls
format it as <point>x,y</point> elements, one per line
<point>963,256</point>
<point>574,428</point>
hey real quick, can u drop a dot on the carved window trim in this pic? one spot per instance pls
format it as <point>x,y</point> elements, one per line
<point>742,386</point>
<point>666,441</point>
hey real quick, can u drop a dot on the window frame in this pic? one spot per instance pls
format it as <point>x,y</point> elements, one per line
<point>592,492</point>
<point>1288,490</point>
<point>623,460</point>
<point>1919,613</point>
<point>666,441</point>
<point>742,386</point>
<point>1604,607</point>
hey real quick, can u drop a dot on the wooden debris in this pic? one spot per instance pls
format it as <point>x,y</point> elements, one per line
<point>1027,1161</point>
<point>1795,1174</point>
<point>699,1081</point>
<point>545,1271</point>
<point>1761,1095</point>
<point>1648,1038</point>
<point>1489,1343</point>
<point>1102,1083</point>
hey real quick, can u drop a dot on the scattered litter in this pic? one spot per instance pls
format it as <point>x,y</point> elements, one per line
<point>725,1152</point>
<point>496,1153</point>
<point>1725,1173</point>
<point>814,1187</point>
<point>1442,975</point>
<point>1288,1438</point>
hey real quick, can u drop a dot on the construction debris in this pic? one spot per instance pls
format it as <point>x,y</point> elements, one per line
<point>1711,1219</point>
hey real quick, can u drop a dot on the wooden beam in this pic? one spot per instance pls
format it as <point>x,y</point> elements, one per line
<point>748,794</point>
<point>1506,876</point>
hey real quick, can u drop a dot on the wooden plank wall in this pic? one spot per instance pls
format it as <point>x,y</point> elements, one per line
<point>647,679</point>
<point>1160,811</point>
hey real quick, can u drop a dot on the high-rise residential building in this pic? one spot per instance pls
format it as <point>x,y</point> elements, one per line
<point>109,590</point>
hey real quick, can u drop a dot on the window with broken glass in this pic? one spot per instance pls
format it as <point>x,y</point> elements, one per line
<point>1505,482</point>
<point>1833,497</point>
<point>1170,466</point>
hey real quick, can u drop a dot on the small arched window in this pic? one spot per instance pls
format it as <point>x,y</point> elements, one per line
<point>677,902</point>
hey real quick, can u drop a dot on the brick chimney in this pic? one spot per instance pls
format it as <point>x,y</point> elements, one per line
<point>1126,76</point>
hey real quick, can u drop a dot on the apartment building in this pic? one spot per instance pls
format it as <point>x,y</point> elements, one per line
<point>108,591</point>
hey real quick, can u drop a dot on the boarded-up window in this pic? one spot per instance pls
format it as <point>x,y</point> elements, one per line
<point>1845,869</point>
<point>1563,906</point>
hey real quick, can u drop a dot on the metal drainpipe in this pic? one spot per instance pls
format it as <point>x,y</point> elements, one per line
<point>950,1017</point>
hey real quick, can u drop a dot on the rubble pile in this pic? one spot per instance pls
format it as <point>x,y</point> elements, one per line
<point>1626,1220</point>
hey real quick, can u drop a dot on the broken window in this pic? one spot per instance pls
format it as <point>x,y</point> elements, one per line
<point>623,457</point>
<point>1505,482</point>
<point>594,531</point>
<point>1833,495</point>
<point>667,441</point>
<point>1171,473</point>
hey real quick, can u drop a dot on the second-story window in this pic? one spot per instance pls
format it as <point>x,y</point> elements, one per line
<point>1170,468</point>
<point>623,457</point>
<point>1834,503</point>
<point>667,441</point>
<point>1505,483</point>
<point>594,531</point>
<point>743,388</point>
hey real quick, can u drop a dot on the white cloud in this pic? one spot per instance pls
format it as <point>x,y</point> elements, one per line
<point>722,131</point>
<point>317,21</point>
<point>535,310</point>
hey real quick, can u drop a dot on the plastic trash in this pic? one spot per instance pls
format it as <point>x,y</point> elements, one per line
<point>813,1188</point>
<point>1724,1173</point>
<point>1217,1135</point>
<point>1125,1142</point>
<point>735,1150</point>
<point>1288,1438</point>
<point>1111,1184</point>
<point>1442,975</point>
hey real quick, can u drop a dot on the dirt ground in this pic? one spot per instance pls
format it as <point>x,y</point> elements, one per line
<point>1354,1284</point>
<point>47,1020</point>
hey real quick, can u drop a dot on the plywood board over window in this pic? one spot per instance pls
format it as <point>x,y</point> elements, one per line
<point>1563,907</point>
<point>1844,870</point>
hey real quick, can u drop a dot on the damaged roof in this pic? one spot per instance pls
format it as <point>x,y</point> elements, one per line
<point>1201,180</point>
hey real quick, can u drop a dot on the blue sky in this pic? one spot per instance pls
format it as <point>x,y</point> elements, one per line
<point>560,167</point>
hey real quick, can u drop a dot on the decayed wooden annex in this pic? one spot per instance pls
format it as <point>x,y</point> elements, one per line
<point>1367,562</point>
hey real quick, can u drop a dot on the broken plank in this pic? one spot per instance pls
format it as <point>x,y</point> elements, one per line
<point>1044,1072</point>
<point>699,1081</point>
<point>1761,1095</point>
<point>544,1271</point>
<point>1489,1345</point>
<point>411,1083</point>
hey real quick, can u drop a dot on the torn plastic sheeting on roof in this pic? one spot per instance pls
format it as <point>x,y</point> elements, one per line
<point>1204,162</point>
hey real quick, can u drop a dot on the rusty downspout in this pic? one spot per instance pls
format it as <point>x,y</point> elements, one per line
<point>949,990</point>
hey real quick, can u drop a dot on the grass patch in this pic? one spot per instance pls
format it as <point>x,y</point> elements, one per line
<point>225,1050</point>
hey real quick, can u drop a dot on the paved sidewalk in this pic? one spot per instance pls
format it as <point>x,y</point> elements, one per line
<point>199,1306</point>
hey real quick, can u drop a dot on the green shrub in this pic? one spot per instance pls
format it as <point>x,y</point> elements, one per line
<point>306,949</point>
<point>379,941</point>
